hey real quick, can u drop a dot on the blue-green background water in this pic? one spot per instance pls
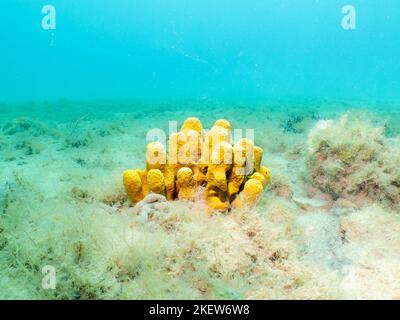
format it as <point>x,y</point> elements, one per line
<point>199,49</point>
<point>76,107</point>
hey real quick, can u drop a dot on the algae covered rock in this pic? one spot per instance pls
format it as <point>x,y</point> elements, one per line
<point>351,158</point>
<point>24,125</point>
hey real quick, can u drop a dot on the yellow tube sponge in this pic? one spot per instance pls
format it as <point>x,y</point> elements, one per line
<point>248,146</point>
<point>258,154</point>
<point>223,123</point>
<point>266,173</point>
<point>250,195</point>
<point>193,129</point>
<point>232,176</point>
<point>192,124</point>
<point>216,192</point>
<point>169,178</point>
<point>215,203</point>
<point>222,156</point>
<point>252,191</point>
<point>143,176</point>
<point>190,151</point>
<point>215,136</point>
<point>156,156</point>
<point>258,176</point>
<point>176,141</point>
<point>237,176</point>
<point>218,134</point>
<point>186,184</point>
<point>133,185</point>
<point>156,182</point>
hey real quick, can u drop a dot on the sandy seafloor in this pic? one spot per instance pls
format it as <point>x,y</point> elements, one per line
<point>63,204</point>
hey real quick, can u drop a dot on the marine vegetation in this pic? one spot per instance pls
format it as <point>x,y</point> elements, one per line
<point>352,159</point>
<point>66,207</point>
<point>203,166</point>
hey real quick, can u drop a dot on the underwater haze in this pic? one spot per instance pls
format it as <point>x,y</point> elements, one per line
<point>83,82</point>
<point>199,49</point>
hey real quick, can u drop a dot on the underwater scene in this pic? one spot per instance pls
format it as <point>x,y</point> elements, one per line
<point>195,149</point>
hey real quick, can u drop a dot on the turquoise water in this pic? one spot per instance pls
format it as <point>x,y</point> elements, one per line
<point>77,102</point>
<point>199,49</point>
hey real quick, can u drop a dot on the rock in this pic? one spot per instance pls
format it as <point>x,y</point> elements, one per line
<point>149,199</point>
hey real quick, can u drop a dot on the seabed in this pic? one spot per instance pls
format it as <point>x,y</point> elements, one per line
<point>63,204</point>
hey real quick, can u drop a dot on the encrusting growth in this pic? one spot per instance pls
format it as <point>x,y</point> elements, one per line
<point>206,164</point>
